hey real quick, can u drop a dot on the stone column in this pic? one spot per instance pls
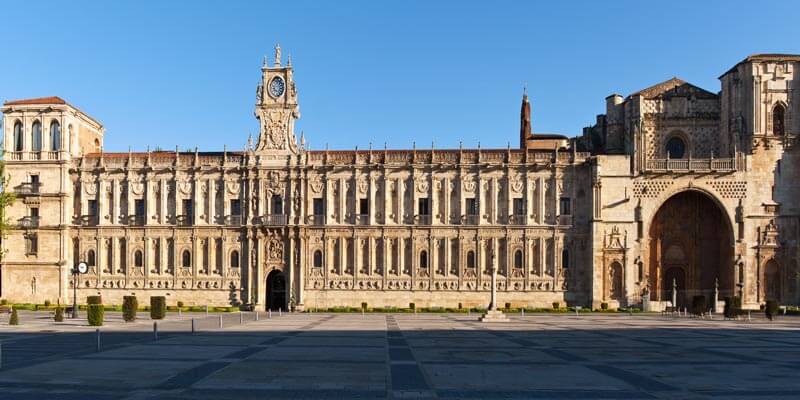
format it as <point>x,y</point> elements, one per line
<point>372,259</point>
<point>493,266</point>
<point>342,200</point>
<point>212,197</point>
<point>162,211</point>
<point>146,258</point>
<point>401,252</point>
<point>258,244</point>
<point>290,273</point>
<point>371,199</point>
<point>540,202</point>
<point>447,194</point>
<point>101,201</point>
<point>447,256</point>
<point>479,199</point>
<point>433,203</point>
<point>115,196</point>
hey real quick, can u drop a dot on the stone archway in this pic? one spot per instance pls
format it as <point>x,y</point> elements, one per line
<point>690,244</point>
<point>276,290</point>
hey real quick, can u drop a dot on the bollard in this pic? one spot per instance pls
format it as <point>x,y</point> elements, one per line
<point>97,332</point>
<point>256,315</point>
<point>192,325</point>
<point>576,312</point>
<point>280,311</point>
<point>155,330</point>
<point>270,314</point>
<point>241,318</point>
<point>179,312</point>
<point>220,321</point>
<point>522,312</point>
<point>206,310</point>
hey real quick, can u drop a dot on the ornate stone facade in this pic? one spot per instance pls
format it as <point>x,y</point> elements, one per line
<point>581,221</point>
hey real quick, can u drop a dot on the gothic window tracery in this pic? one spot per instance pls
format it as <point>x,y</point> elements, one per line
<point>55,136</point>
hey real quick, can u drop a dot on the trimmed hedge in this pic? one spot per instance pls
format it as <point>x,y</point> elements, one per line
<point>59,317</point>
<point>129,306</point>
<point>771,309</point>
<point>94,300</point>
<point>95,314</point>
<point>158,307</point>
<point>698,305</point>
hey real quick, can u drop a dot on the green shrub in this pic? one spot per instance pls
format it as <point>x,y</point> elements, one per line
<point>129,307</point>
<point>94,314</point>
<point>412,306</point>
<point>14,320</point>
<point>3,302</point>
<point>59,317</point>
<point>364,306</point>
<point>180,304</point>
<point>158,307</point>
<point>508,306</point>
<point>47,303</point>
<point>94,300</point>
<point>556,305</point>
<point>771,309</point>
<point>604,306</point>
<point>698,305</point>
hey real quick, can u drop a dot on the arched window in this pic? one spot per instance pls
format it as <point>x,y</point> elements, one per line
<point>423,259</point>
<point>470,259</point>
<point>36,136</point>
<point>778,118</point>
<point>55,136</point>
<point>97,145</point>
<point>90,258</point>
<point>18,136</point>
<point>138,260</point>
<point>518,259</point>
<point>564,258</point>
<point>277,204</point>
<point>317,259</point>
<point>234,259</point>
<point>676,148</point>
<point>186,259</point>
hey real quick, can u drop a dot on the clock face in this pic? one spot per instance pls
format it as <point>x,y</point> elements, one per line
<point>276,87</point>
<point>82,268</point>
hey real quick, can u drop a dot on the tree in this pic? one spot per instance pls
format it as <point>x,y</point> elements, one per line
<point>6,200</point>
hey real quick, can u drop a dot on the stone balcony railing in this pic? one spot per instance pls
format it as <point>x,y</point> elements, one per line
<point>517,219</point>
<point>361,219</point>
<point>32,155</point>
<point>691,164</point>
<point>29,222</point>
<point>271,219</point>
<point>27,188</point>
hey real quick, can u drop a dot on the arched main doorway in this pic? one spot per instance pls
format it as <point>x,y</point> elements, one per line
<point>690,247</point>
<point>276,291</point>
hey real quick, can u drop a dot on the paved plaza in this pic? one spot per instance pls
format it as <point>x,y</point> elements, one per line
<point>296,356</point>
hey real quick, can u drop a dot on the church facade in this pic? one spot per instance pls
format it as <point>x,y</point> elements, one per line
<point>675,192</point>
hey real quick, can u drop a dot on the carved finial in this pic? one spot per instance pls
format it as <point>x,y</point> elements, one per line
<point>249,145</point>
<point>264,64</point>
<point>525,89</point>
<point>302,138</point>
<point>289,61</point>
<point>277,54</point>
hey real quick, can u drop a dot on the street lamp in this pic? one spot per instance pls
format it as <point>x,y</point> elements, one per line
<point>76,271</point>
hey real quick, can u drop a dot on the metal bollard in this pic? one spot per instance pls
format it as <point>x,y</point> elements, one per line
<point>256,315</point>
<point>280,312</point>
<point>155,330</point>
<point>179,312</point>
<point>192,325</point>
<point>97,332</point>
<point>220,321</point>
<point>241,318</point>
<point>270,314</point>
<point>522,312</point>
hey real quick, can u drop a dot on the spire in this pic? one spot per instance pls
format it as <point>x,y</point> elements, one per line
<point>525,119</point>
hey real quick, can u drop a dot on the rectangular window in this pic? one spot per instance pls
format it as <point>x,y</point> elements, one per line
<point>35,179</point>
<point>363,206</point>
<point>472,206</point>
<point>138,207</point>
<point>188,208</point>
<point>92,208</point>
<point>565,206</point>
<point>236,207</point>
<point>423,207</point>
<point>31,244</point>
<point>35,212</point>
<point>319,207</point>
<point>519,207</point>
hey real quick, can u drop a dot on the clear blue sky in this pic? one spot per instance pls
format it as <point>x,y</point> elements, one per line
<point>167,73</point>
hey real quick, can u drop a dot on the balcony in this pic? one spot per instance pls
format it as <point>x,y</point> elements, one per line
<point>271,219</point>
<point>565,219</point>
<point>517,219</point>
<point>87,220</point>
<point>29,222</point>
<point>361,219</point>
<point>184,220</point>
<point>424,219</point>
<point>27,188</point>
<point>136,220</point>
<point>471,219</point>
<point>692,165</point>
<point>233,220</point>
<point>316,219</point>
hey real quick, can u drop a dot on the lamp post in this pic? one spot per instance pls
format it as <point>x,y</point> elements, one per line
<point>493,301</point>
<point>76,271</point>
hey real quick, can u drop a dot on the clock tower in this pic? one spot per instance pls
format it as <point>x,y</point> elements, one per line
<point>276,108</point>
